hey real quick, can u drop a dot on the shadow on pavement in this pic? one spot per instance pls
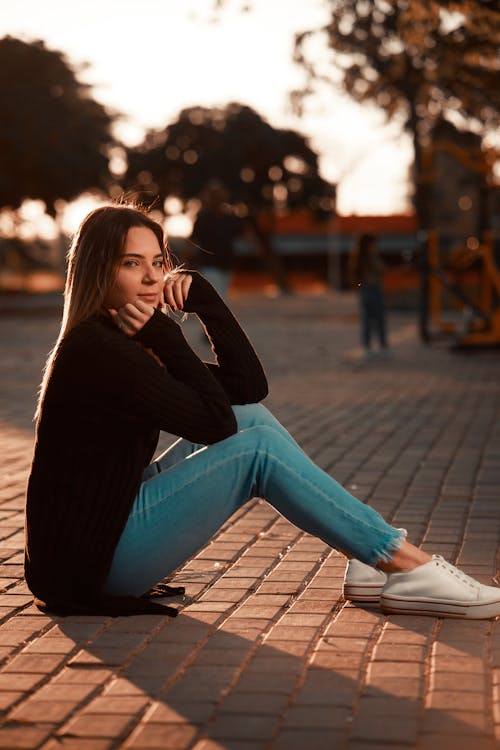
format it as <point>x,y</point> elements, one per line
<point>174,682</point>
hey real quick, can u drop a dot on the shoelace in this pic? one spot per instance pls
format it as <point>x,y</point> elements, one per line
<point>463,577</point>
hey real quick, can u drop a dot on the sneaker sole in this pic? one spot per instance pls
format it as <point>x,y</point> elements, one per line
<point>362,592</point>
<point>393,605</point>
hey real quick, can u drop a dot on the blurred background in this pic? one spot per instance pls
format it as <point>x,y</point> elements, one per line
<point>316,122</point>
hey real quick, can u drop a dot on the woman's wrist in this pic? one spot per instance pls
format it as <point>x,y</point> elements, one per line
<point>132,317</point>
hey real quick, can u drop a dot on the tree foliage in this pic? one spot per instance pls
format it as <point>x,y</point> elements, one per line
<point>420,60</point>
<point>53,135</point>
<point>260,166</point>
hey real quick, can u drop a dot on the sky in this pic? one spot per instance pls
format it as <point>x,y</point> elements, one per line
<point>148,61</point>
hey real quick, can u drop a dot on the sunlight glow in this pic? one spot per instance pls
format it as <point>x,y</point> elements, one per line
<point>72,214</point>
<point>178,226</point>
<point>192,60</point>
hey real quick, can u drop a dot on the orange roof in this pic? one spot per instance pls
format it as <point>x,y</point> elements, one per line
<point>395,224</point>
<point>304,222</point>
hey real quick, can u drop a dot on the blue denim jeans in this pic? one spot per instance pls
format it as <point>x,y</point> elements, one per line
<point>191,490</point>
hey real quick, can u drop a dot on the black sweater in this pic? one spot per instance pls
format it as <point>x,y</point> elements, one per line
<point>105,403</point>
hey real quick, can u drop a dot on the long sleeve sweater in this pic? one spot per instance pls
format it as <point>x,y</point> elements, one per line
<point>104,405</point>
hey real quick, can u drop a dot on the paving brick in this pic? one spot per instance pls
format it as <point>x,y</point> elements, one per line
<point>398,669</point>
<point>404,652</point>
<point>283,633</point>
<point>26,623</point>
<point>10,681</point>
<point>222,656</point>
<point>438,742</point>
<point>243,727</point>
<point>308,606</point>
<point>258,682</point>
<point>50,645</point>
<point>316,717</point>
<point>256,611</point>
<point>229,745</point>
<point>150,667</point>
<point>64,692</point>
<point>326,659</point>
<point>402,728</point>
<point>71,675</point>
<point>42,663</point>
<point>457,700</point>
<point>22,737</point>
<point>327,688</point>
<point>342,644</point>
<point>454,723</point>
<point>8,699</point>
<point>117,705</point>
<point>120,687</point>
<point>448,681</point>
<point>43,712</point>
<point>196,686</point>
<point>294,739</point>
<point>461,665</point>
<point>77,743</point>
<point>401,687</point>
<point>98,725</point>
<point>260,704</point>
<point>159,736</point>
<point>395,435</point>
<point>187,712</point>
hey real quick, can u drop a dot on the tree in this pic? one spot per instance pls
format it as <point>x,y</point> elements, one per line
<point>419,60</point>
<point>260,166</point>
<point>53,136</point>
<point>263,169</point>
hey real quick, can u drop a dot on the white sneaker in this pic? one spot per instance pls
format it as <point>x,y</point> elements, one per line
<point>362,583</point>
<point>438,588</point>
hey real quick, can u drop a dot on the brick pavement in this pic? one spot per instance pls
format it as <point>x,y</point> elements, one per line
<point>266,655</point>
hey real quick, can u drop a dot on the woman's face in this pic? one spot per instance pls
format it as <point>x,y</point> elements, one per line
<point>141,271</point>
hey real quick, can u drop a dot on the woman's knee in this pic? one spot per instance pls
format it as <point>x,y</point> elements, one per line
<point>261,437</point>
<point>250,415</point>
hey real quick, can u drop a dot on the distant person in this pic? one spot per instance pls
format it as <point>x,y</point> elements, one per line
<point>104,523</point>
<point>215,232</point>
<point>366,272</point>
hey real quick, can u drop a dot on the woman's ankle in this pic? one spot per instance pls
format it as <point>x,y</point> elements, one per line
<point>406,557</point>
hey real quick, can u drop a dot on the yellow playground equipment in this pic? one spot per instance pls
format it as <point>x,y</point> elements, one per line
<point>467,279</point>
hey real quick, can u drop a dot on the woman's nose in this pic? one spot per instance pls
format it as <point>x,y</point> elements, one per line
<point>153,274</point>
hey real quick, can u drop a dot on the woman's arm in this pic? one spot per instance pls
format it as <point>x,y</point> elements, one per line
<point>237,367</point>
<point>183,398</point>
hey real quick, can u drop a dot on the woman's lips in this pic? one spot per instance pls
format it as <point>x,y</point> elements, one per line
<point>149,297</point>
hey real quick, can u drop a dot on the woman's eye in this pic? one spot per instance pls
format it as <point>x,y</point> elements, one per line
<point>130,263</point>
<point>159,263</point>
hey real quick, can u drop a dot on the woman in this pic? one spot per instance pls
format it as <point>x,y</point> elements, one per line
<point>366,268</point>
<point>103,524</point>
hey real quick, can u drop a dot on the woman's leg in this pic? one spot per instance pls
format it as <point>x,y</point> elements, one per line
<point>179,510</point>
<point>247,415</point>
<point>365,311</point>
<point>175,453</point>
<point>379,317</point>
<point>252,415</point>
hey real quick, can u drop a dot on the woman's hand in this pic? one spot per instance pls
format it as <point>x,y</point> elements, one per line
<point>176,289</point>
<point>132,317</point>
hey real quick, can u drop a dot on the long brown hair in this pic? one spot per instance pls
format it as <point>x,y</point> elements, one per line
<point>92,267</point>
